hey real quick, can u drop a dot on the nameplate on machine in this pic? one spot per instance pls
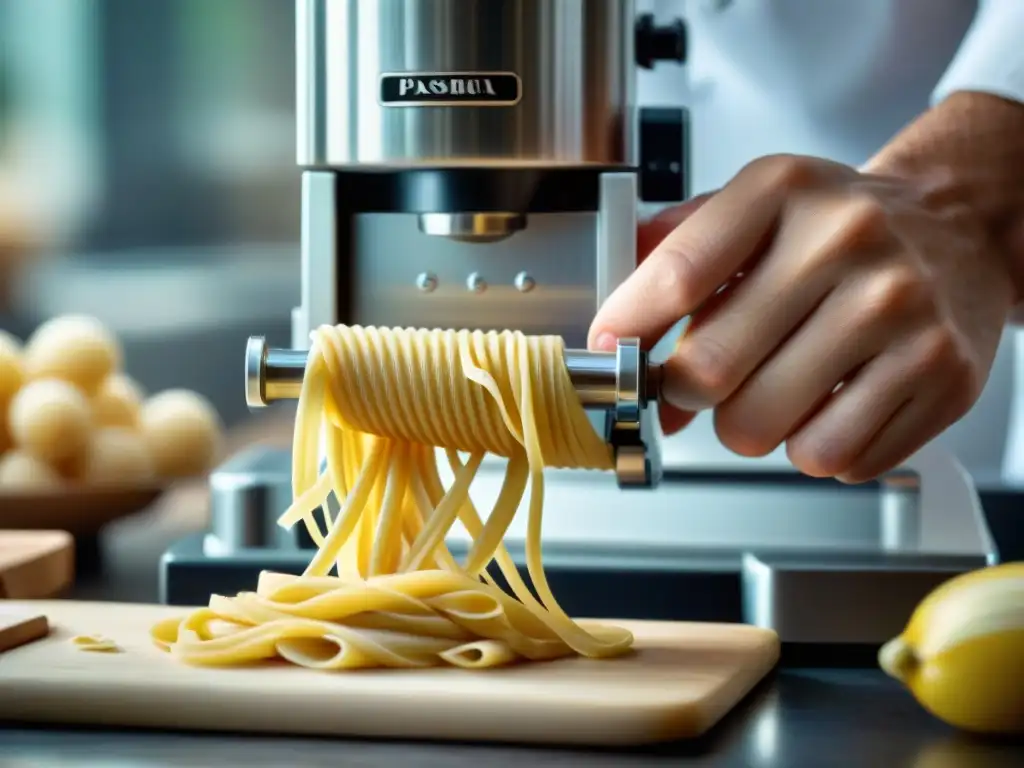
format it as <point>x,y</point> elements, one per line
<point>450,89</point>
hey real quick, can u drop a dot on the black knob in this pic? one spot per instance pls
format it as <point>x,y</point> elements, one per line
<point>659,43</point>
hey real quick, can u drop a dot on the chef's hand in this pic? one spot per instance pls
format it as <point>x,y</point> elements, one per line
<point>846,315</point>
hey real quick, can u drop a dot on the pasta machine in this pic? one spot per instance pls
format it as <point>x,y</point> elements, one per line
<point>621,385</point>
<point>479,164</point>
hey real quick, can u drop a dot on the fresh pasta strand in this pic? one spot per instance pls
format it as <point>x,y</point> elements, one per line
<point>382,400</point>
<point>95,644</point>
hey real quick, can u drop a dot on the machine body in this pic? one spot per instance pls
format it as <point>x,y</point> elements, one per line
<point>478,164</point>
<point>439,82</point>
<point>473,163</point>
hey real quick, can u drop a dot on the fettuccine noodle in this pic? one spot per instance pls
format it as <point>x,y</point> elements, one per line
<point>95,644</point>
<point>383,399</point>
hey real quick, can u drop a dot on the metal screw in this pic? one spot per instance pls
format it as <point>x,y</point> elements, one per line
<point>426,282</point>
<point>476,283</point>
<point>524,282</point>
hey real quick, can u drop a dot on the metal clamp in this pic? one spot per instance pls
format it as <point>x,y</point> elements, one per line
<point>622,384</point>
<point>626,387</point>
<point>631,426</point>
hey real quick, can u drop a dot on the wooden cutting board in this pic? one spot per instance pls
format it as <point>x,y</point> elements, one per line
<point>682,679</point>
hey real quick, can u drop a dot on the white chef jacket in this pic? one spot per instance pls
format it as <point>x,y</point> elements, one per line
<point>991,57</point>
<point>836,79</point>
<point>830,78</point>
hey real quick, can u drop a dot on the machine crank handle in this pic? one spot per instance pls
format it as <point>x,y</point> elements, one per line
<point>622,384</point>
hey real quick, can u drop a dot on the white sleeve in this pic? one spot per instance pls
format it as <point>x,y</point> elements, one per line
<point>991,57</point>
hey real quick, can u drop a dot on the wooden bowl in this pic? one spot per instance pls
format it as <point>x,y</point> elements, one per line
<point>81,512</point>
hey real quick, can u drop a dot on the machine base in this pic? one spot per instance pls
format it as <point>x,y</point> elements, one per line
<point>844,598</point>
<point>808,598</point>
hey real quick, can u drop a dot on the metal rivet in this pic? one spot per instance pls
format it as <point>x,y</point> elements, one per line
<point>525,282</point>
<point>426,282</point>
<point>476,283</point>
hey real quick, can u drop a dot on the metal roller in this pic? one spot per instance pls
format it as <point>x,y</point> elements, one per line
<point>621,383</point>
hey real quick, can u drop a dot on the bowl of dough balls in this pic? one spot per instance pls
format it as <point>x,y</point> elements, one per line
<point>80,442</point>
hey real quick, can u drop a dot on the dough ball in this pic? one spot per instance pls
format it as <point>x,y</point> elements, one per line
<point>117,402</point>
<point>73,348</point>
<point>20,471</point>
<point>10,341</point>
<point>12,371</point>
<point>182,431</point>
<point>116,456</point>
<point>51,420</point>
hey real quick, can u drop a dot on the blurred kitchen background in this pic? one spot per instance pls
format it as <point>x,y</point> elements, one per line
<point>147,177</point>
<point>147,174</point>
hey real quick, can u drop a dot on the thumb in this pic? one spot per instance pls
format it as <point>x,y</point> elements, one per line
<point>618,315</point>
<point>648,237</point>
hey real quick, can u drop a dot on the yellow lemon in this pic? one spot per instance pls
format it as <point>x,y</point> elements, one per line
<point>962,653</point>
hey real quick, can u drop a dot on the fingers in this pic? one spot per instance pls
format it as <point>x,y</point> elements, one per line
<point>650,233</point>
<point>811,253</point>
<point>619,315</point>
<point>913,425</point>
<point>849,328</point>
<point>831,441</point>
<point>715,239</point>
<point>889,409</point>
<point>697,257</point>
<point>673,420</point>
<point>816,317</point>
<point>649,236</point>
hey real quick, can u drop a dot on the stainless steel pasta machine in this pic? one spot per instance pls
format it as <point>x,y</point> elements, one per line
<point>479,164</point>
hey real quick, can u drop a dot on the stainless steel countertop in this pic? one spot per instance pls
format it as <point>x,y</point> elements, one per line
<point>800,719</point>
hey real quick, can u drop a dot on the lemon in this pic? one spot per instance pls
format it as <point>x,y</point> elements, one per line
<point>962,653</point>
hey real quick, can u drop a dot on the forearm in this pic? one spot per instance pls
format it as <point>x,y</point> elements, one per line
<point>968,152</point>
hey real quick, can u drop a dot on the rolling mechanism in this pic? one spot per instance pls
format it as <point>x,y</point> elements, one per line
<point>622,385</point>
